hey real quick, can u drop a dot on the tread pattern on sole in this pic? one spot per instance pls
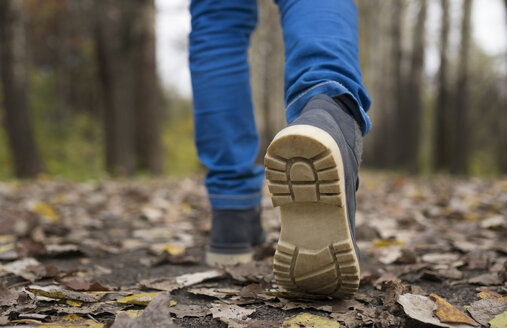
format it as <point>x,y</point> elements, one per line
<point>329,271</point>
<point>299,179</point>
<point>301,169</point>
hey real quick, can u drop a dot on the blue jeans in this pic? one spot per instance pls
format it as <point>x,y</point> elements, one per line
<point>321,57</point>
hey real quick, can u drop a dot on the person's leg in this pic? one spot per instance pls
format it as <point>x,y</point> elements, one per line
<point>321,55</point>
<point>312,165</point>
<point>225,132</point>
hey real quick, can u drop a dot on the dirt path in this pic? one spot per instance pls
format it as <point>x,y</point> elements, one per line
<point>75,253</point>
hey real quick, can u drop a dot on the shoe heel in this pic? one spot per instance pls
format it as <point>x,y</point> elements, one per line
<point>315,253</point>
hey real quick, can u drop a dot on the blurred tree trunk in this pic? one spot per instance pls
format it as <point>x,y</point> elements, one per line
<point>17,121</point>
<point>442,135</point>
<point>411,113</point>
<point>378,72</point>
<point>114,57</point>
<point>460,141</point>
<point>267,60</point>
<point>146,88</point>
<point>502,154</point>
<point>398,109</point>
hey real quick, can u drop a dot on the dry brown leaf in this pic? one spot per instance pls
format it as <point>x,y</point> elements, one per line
<point>251,291</point>
<point>486,279</point>
<point>230,314</point>
<point>81,284</point>
<point>184,310</point>
<point>253,271</point>
<point>421,308</point>
<point>189,279</point>
<point>7,296</point>
<point>156,314</point>
<point>486,309</point>
<point>448,313</point>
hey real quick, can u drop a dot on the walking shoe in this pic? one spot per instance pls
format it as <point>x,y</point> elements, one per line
<point>312,172</point>
<point>233,233</point>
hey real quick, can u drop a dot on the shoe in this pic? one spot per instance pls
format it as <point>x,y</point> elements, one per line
<point>312,172</point>
<point>233,233</point>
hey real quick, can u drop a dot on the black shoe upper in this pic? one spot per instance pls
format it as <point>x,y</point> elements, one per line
<point>334,117</point>
<point>236,231</point>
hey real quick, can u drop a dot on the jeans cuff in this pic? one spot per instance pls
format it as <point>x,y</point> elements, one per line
<point>331,89</point>
<point>235,202</point>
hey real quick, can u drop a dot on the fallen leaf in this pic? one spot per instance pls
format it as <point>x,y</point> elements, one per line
<point>421,309</point>
<point>232,315</point>
<point>130,313</point>
<point>214,292</point>
<point>58,250</point>
<point>495,222</point>
<point>184,310</point>
<point>254,271</point>
<point>309,320</point>
<point>7,296</point>
<point>485,310</point>
<point>72,321</point>
<point>46,211</point>
<point>490,295</point>
<point>22,268</point>
<point>448,313</point>
<point>440,258</point>
<point>60,293</point>
<point>189,279</point>
<point>138,299</point>
<point>156,314</point>
<point>500,321</point>
<point>77,283</point>
<point>381,243</point>
<point>486,279</point>
<point>251,291</point>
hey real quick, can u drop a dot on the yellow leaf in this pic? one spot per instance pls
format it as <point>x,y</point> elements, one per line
<point>72,321</point>
<point>309,321</point>
<point>186,208</point>
<point>4,239</point>
<point>500,321</point>
<point>138,299</point>
<point>6,247</point>
<point>74,303</point>
<point>46,211</point>
<point>492,296</point>
<point>172,303</point>
<point>387,242</point>
<point>448,313</point>
<point>131,313</point>
<point>174,249</point>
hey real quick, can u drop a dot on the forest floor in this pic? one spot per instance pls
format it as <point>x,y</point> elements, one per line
<point>129,253</point>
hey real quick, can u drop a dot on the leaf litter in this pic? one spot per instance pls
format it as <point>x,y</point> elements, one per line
<point>130,253</point>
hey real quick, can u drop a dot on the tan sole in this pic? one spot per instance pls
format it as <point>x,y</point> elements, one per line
<point>219,260</point>
<point>305,176</point>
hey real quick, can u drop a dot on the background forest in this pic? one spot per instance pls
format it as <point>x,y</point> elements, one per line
<point>80,94</point>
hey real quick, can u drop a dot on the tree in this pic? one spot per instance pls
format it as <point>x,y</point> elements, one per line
<point>409,126</point>
<point>442,135</point>
<point>398,109</point>
<point>114,60</point>
<point>146,90</point>
<point>460,142</point>
<point>125,38</point>
<point>17,121</point>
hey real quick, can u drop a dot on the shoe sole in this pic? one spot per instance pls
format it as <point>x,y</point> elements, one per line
<point>219,259</point>
<point>315,253</point>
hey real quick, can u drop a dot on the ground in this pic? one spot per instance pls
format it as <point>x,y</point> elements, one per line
<point>433,252</point>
